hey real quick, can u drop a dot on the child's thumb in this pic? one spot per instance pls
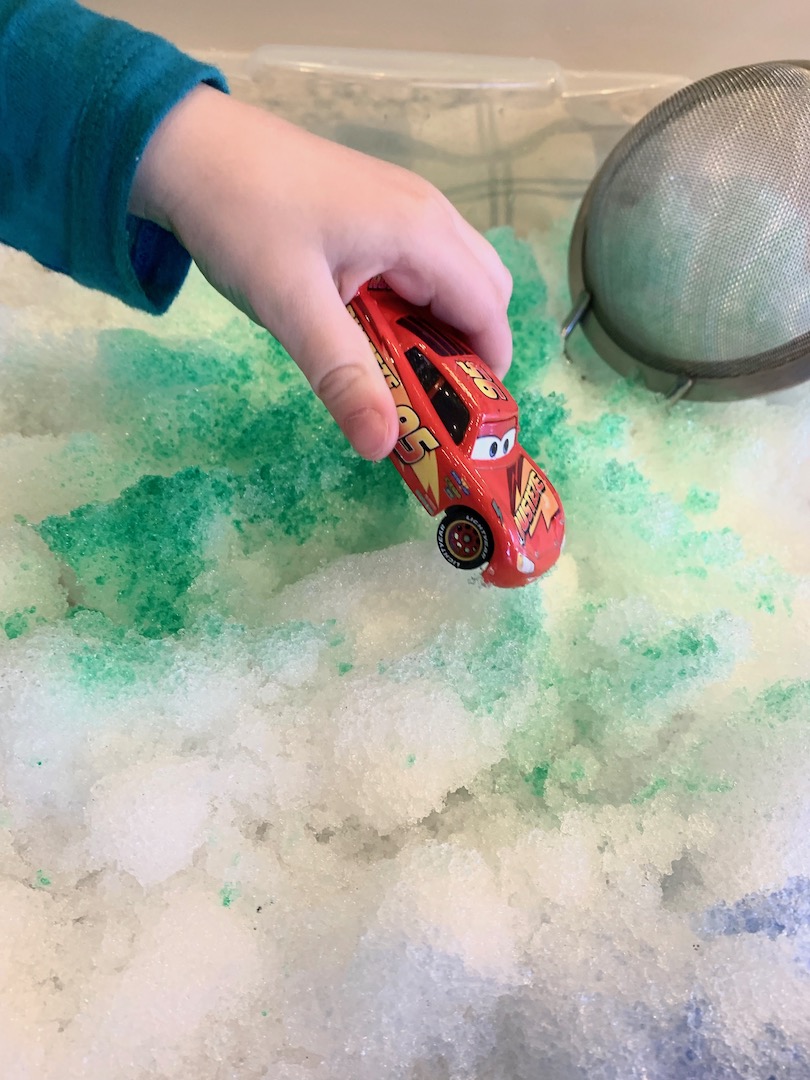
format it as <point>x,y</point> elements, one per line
<point>337,359</point>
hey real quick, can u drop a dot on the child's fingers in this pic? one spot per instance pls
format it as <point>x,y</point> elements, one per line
<point>471,293</point>
<point>336,357</point>
<point>489,257</point>
<point>459,274</point>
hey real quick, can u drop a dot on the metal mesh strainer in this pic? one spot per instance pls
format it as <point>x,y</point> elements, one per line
<point>690,257</point>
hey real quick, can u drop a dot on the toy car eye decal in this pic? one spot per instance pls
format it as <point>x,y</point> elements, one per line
<point>492,448</point>
<point>486,448</point>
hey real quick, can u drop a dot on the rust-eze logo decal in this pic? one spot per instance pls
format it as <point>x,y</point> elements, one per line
<point>416,445</point>
<point>532,498</point>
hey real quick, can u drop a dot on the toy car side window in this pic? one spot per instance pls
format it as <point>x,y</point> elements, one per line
<point>452,411</point>
<point>425,370</point>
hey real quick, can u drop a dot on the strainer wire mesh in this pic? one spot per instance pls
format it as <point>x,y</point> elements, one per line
<point>697,234</point>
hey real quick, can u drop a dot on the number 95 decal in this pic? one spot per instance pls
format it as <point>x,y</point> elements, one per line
<point>415,441</point>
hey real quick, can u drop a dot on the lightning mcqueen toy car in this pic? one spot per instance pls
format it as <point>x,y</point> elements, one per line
<point>458,450</point>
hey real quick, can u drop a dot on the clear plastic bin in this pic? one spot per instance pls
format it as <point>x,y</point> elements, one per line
<point>509,141</point>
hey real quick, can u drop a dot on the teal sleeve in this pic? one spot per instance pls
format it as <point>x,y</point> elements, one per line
<point>80,95</point>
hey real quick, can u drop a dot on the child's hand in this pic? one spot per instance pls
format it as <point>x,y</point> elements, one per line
<point>288,226</point>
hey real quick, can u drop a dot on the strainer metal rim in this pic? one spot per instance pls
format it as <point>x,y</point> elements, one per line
<point>676,380</point>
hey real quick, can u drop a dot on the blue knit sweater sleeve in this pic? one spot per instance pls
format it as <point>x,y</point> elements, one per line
<point>80,95</point>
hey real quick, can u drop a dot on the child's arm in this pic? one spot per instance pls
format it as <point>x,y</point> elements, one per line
<point>80,96</point>
<point>288,225</point>
<point>283,223</point>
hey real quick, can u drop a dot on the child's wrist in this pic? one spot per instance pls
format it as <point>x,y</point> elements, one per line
<point>159,177</point>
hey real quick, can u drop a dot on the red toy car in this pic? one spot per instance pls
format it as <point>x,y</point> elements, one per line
<point>458,451</point>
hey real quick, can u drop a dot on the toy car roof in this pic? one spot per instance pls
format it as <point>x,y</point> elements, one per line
<point>442,345</point>
<point>458,365</point>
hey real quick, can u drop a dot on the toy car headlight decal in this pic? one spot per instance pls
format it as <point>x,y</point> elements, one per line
<point>524,565</point>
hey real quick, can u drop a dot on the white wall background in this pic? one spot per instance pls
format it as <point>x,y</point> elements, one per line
<point>691,37</point>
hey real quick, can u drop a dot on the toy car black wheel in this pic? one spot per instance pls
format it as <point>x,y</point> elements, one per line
<point>464,539</point>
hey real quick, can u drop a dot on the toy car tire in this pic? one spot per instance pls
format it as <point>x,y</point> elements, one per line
<point>464,539</point>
